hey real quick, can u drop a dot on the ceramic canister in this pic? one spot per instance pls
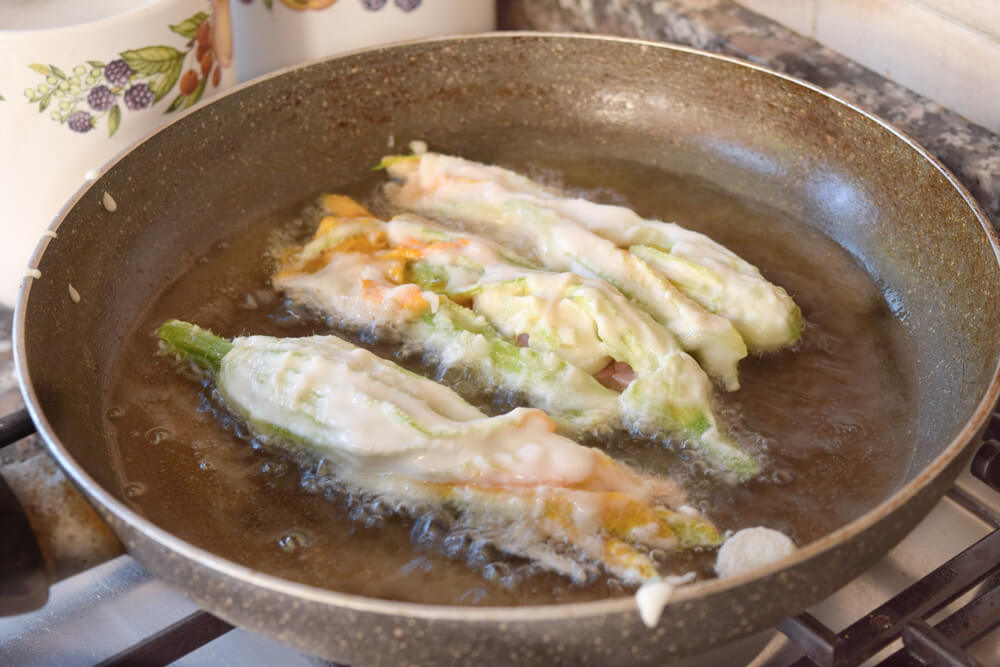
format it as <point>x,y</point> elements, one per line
<point>271,34</point>
<point>81,82</point>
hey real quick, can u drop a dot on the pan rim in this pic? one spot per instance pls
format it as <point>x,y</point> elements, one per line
<point>507,614</point>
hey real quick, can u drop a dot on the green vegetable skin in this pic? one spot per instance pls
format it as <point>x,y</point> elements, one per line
<point>561,246</point>
<point>399,435</point>
<point>561,389</point>
<point>462,339</point>
<point>670,393</point>
<point>718,279</point>
<point>659,256</point>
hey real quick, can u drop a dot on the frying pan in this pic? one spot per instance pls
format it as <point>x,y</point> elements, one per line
<point>279,140</point>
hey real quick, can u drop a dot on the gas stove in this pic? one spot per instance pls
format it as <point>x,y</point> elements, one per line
<point>937,593</point>
<point>117,613</point>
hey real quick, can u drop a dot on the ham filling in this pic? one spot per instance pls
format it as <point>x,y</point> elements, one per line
<point>616,375</point>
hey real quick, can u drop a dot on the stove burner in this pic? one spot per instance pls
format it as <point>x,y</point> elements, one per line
<point>902,617</point>
<point>986,463</point>
<point>172,643</point>
<point>15,426</point>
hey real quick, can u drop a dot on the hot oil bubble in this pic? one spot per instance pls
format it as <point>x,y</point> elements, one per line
<point>782,477</point>
<point>473,595</point>
<point>376,513</point>
<point>369,335</point>
<point>274,468</point>
<point>370,513</point>
<point>311,485</point>
<point>421,563</point>
<point>496,571</point>
<point>249,302</point>
<point>357,514</point>
<point>158,434</point>
<point>427,531</point>
<point>293,541</point>
<point>481,553</point>
<point>286,317</point>
<point>242,431</point>
<point>453,545</point>
<point>590,575</point>
<point>134,489</point>
<point>379,507</point>
<point>325,468</point>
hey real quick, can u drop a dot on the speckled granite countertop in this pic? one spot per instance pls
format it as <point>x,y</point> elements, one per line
<point>970,151</point>
<point>721,26</point>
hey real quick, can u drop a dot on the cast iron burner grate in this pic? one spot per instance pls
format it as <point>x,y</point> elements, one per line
<point>905,615</point>
<point>976,569</point>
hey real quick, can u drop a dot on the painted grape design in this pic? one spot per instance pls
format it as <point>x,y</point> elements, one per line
<point>138,79</point>
<point>370,5</point>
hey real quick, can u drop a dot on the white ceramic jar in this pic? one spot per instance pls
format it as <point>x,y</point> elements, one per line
<point>80,82</point>
<point>271,34</point>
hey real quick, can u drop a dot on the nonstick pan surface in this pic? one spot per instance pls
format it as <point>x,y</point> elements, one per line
<point>280,140</point>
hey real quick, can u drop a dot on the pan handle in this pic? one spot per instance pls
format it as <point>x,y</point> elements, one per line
<point>48,531</point>
<point>15,426</point>
<point>986,463</point>
<point>24,584</point>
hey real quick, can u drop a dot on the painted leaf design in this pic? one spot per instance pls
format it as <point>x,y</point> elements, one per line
<point>178,101</point>
<point>96,64</point>
<point>2,98</point>
<point>114,120</point>
<point>189,26</point>
<point>269,3</point>
<point>41,69</point>
<point>152,59</point>
<point>58,72</point>
<point>165,83</point>
<point>44,104</point>
<point>196,95</point>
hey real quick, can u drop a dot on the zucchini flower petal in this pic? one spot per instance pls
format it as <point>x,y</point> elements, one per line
<point>397,435</point>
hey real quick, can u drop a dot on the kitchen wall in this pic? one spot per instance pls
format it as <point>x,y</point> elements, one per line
<point>948,50</point>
